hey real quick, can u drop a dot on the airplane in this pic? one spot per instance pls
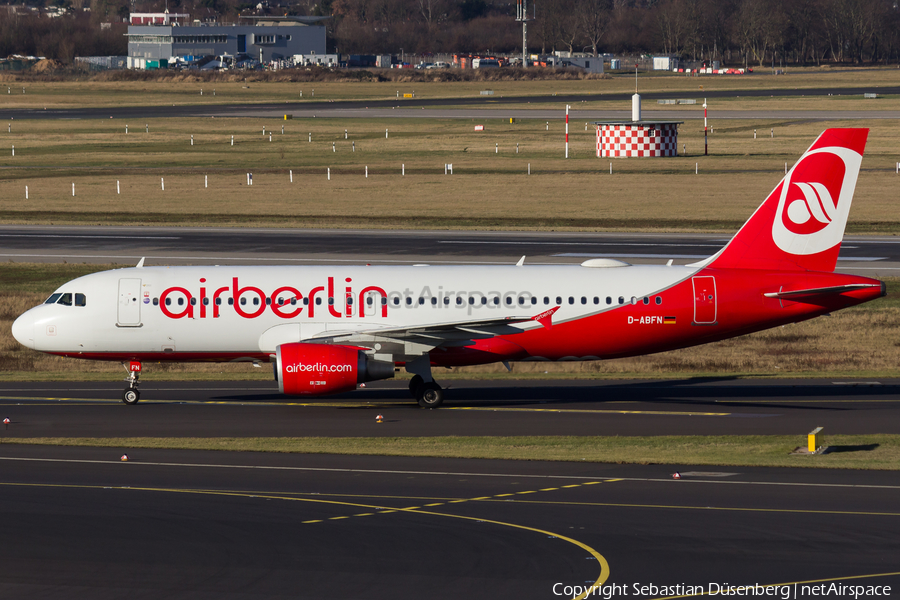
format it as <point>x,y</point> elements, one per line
<point>329,329</point>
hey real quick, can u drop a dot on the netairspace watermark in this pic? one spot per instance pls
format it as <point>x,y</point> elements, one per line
<point>791,591</point>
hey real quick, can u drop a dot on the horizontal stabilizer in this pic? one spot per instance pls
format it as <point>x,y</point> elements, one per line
<point>800,295</point>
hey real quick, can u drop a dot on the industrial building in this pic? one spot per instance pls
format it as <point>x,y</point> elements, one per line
<point>160,38</point>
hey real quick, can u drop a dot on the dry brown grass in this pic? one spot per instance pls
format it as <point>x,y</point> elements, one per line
<point>561,193</point>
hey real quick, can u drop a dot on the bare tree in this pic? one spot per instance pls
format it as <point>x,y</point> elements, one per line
<point>595,18</point>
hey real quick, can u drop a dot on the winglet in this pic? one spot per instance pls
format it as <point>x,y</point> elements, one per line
<point>546,317</point>
<point>140,263</point>
<point>521,262</point>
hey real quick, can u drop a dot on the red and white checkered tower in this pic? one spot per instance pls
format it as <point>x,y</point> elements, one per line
<point>637,138</point>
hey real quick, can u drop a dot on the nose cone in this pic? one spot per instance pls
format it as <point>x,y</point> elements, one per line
<point>23,330</point>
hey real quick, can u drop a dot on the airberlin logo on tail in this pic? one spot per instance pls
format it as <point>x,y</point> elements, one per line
<point>814,201</point>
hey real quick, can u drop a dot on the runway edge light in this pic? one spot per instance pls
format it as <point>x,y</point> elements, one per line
<point>124,458</point>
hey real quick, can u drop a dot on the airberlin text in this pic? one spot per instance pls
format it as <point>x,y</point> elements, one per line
<point>783,591</point>
<point>288,302</point>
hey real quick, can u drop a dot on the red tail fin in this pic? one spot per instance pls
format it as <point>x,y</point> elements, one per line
<point>801,224</point>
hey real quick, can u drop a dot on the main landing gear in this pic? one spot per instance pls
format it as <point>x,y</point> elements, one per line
<point>422,386</point>
<point>131,395</point>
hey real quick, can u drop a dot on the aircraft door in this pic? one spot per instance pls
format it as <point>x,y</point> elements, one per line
<point>704,300</point>
<point>129,313</point>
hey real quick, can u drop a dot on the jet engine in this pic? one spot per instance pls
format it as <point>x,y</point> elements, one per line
<point>317,369</point>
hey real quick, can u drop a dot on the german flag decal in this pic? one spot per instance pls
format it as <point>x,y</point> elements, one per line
<point>669,320</point>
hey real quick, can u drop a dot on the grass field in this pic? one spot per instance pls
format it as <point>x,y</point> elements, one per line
<point>824,347</point>
<point>686,193</point>
<point>846,451</point>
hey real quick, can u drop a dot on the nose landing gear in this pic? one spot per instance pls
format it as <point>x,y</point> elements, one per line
<point>131,395</point>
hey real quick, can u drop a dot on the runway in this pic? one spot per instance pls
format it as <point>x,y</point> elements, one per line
<point>472,408</point>
<point>483,107</point>
<point>79,523</point>
<point>871,256</point>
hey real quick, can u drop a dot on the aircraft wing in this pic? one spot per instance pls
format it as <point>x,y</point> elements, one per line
<point>438,332</point>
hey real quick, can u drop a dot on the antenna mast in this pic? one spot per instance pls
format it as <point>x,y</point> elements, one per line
<point>522,15</point>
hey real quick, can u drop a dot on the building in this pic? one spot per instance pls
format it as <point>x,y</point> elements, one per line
<point>263,38</point>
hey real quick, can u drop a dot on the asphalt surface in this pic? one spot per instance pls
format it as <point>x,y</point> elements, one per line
<point>495,407</point>
<point>872,256</point>
<point>79,523</point>
<point>476,107</point>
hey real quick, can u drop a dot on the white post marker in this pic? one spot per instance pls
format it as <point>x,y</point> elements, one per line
<point>270,137</point>
<point>773,133</point>
<point>385,134</point>
<point>248,178</point>
<point>451,168</point>
<point>696,168</point>
<point>329,173</point>
<point>26,192</point>
<point>785,168</point>
<point>567,131</point>
<point>529,168</point>
<point>162,183</point>
<point>345,134</point>
<point>148,127</point>
<point>403,170</point>
<point>118,190</point>
<point>354,145</point>
<point>496,148</point>
<point>754,134</point>
<point>517,147</point>
<point>332,147</point>
<point>73,189</point>
<point>232,140</point>
<point>610,168</point>
<point>310,137</point>
<point>292,175</point>
<point>367,171</point>
<point>206,181</point>
<point>282,130</point>
<point>13,150</point>
<point>192,140</point>
<point>445,168</point>
<point>126,130</point>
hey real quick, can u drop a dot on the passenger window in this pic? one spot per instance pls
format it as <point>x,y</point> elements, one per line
<point>52,299</point>
<point>181,302</point>
<point>243,301</point>
<point>349,301</point>
<point>571,300</point>
<point>446,300</point>
<point>521,301</point>
<point>621,300</point>
<point>218,302</point>
<point>294,301</point>
<point>156,302</point>
<point>421,301</point>
<point>168,302</point>
<point>533,301</point>
<point>318,301</point>
<point>496,300</point>
<point>408,301</point>
<point>609,300</point>
<point>459,301</point>
<point>193,302</point>
<point>596,300</point>
<point>471,301</point>
<point>231,302</point>
<point>65,300</point>
<point>369,301</point>
<point>508,301</point>
<point>80,300</point>
<point>583,300</point>
<point>330,301</point>
<point>396,301</point>
<point>546,300</point>
<point>384,301</point>
<point>434,301</point>
<point>659,300</point>
<point>646,300</point>
<point>558,300</point>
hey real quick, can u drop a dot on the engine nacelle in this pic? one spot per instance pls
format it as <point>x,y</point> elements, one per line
<point>317,369</point>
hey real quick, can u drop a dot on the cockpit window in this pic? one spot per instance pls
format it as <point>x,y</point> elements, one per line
<point>52,299</point>
<point>80,300</point>
<point>65,299</point>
